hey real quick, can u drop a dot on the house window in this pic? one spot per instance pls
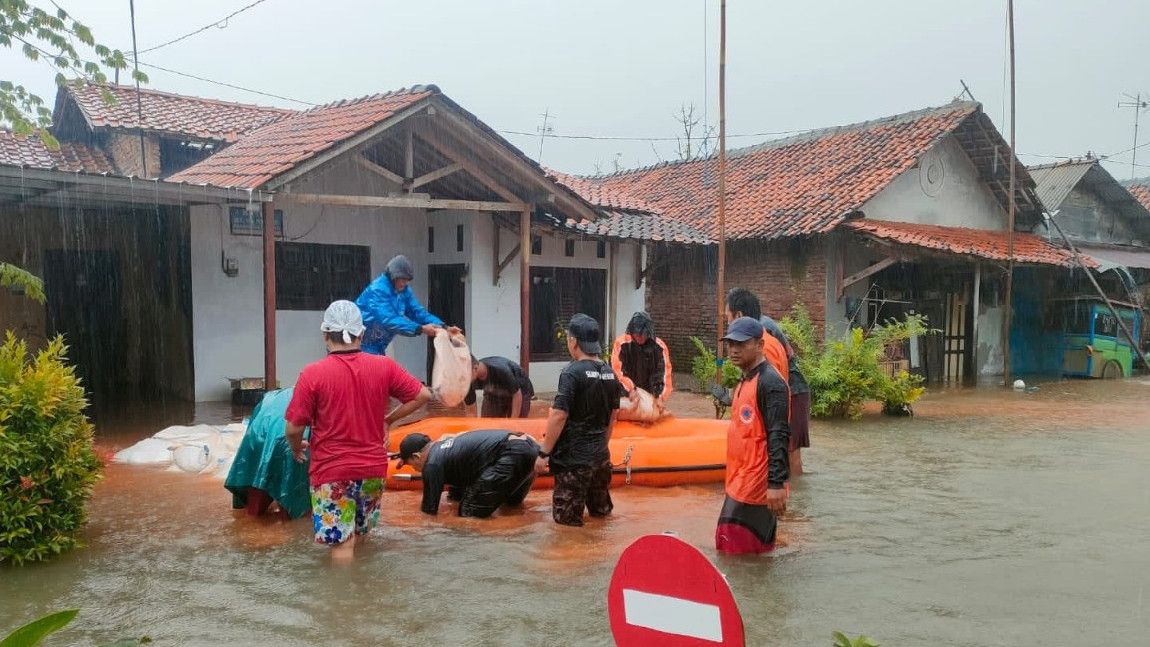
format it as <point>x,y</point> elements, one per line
<point>177,155</point>
<point>568,247</point>
<point>431,240</point>
<point>459,238</point>
<point>601,249</point>
<point>556,294</point>
<point>309,276</point>
<point>536,245</point>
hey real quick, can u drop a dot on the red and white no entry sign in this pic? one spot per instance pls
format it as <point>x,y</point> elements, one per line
<point>665,592</point>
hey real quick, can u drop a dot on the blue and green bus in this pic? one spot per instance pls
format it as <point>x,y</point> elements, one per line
<point>1092,343</point>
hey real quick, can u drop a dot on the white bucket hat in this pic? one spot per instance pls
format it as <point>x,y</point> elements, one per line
<point>345,317</point>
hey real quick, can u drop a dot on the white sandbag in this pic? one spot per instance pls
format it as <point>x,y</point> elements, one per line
<point>451,373</point>
<point>149,451</point>
<point>185,434</point>
<point>192,458</point>
<point>644,408</point>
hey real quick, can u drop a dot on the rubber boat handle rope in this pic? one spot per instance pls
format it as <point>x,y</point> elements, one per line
<point>626,464</point>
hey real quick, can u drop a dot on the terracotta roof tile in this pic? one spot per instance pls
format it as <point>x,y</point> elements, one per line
<point>1141,193</point>
<point>278,147</point>
<point>172,113</point>
<point>30,152</point>
<point>630,225</point>
<point>591,190</point>
<point>796,186</point>
<point>980,243</point>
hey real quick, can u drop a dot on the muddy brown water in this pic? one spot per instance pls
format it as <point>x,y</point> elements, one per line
<point>990,518</point>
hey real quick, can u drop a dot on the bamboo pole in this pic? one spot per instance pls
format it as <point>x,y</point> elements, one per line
<point>1006,320</point>
<point>720,288</point>
<point>269,252</point>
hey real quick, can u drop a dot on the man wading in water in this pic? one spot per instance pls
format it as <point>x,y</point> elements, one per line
<point>757,468</point>
<point>507,391</point>
<point>489,468</point>
<point>344,399</point>
<point>578,428</point>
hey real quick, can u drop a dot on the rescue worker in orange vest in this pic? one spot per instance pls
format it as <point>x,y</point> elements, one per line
<point>757,438</point>
<point>741,302</point>
<point>641,360</point>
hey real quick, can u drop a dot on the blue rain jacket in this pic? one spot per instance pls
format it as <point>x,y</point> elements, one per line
<point>387,313</point>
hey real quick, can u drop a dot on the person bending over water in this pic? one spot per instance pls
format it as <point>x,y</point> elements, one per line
<point>344,398</point>
<point>488,468</point>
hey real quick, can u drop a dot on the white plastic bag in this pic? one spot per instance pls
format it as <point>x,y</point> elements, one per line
<point>149,451</point>
<point>451,373</point>
<point>644,408</point>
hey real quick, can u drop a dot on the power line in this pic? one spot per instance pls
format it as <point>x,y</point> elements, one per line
<point>649,139</point>
<point>227,85</point>
<point>217,23</point>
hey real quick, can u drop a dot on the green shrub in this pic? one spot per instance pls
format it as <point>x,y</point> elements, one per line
<point>845,374</point>
<point>21,281</point>
<point>35,632</point>
<point>841,640</point>
<point>703,367</point>
<point>47,463</point>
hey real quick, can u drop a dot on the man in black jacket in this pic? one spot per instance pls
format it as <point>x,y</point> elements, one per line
<point>490,468</point>
<point>507,391</point>
<point>641,360</point>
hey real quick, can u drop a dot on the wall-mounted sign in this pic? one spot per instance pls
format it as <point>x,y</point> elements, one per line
<point>247,222</point>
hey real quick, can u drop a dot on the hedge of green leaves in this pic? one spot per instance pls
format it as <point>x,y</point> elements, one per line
<point>47,463</point>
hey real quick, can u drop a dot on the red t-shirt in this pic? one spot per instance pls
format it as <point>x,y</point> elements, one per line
<point>344,398</point>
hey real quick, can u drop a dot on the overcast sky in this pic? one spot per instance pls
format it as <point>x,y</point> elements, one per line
<point>622,68</point>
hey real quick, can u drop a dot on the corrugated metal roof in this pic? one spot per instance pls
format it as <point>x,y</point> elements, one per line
<point>1132,257</point>
<point>1056,181</point>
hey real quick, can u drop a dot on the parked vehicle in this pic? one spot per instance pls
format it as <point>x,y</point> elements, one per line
<point>1092,343</point>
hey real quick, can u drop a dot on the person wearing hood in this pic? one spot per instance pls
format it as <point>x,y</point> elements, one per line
<point>641,360</point>
<point>390,308</point>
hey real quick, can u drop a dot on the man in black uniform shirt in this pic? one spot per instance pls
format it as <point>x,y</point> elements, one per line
<point>579,426</point>
<point>507,391</point>
<point>489,468</point>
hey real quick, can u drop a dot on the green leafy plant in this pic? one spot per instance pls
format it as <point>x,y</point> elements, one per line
<point>34,632</point>
<point>703,367</point>
<point>841,640</point>
<point>65,45</point>
<point>844,374</point>
<point>21,281</point>
<point>47,463</point>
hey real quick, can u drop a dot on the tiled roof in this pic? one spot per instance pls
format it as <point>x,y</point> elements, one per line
<point>979,243</point>
<point>278,147</point>
<point>30,152</point>
<point>631,225</point>
<point>171,113</point>
<point>796,186</point>
<point>1141,192</point>
<point>591,190</point>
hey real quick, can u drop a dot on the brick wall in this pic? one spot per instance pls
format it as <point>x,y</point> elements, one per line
<point>124,149</point>
<point>681,290</point>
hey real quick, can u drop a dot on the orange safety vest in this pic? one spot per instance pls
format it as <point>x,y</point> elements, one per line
<point>747,445</point>
<point>628,383</point>
<point>776,354</point>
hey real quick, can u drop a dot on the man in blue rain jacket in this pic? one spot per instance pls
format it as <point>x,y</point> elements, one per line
<point>389,308</point>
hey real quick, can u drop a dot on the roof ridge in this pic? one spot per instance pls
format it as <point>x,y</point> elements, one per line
<point>1072,161</point>
<point>807,135</point>
<point>415,89</point>
<point>70,87</point>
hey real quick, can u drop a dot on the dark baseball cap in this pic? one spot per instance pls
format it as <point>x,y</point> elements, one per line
<point>411,444</point>
<point>742,329</point>
<point>585,330</point>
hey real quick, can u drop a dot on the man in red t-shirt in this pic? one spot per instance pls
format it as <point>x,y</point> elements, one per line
<point>344,398</point>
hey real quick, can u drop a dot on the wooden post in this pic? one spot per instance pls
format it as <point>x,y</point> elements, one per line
<point>269,240</point>
<point>525,290</point>
<point>721,287</point>
<point>613,291</point>
<point>494,250</point>
<point>1009,314</point>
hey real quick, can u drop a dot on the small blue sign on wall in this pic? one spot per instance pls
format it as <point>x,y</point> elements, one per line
<point>247,222</point>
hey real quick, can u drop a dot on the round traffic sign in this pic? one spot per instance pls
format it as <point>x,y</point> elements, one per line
<point>665,592</point>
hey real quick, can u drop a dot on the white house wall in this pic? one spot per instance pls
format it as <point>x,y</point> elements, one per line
<point>962,200</point>
<point>228,312</point>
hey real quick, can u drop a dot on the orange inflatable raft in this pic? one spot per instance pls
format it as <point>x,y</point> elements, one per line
<point>673,451</point>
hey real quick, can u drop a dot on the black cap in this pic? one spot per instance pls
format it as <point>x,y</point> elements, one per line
<point>411,444</point>
<point>742,329</point>
<point>585,330</point>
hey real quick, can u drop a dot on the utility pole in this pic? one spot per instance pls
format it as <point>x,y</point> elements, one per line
<point>1010,213</point>
<point>544,130</point>
<point>721,287</point>
<point>1139,106</point>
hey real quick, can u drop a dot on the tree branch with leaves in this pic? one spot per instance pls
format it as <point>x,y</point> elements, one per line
<point>65,45</point>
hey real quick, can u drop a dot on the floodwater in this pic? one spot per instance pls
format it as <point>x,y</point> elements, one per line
<point>990,518</point>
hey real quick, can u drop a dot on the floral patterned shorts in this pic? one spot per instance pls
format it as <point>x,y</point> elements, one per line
<point>341,507</point>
